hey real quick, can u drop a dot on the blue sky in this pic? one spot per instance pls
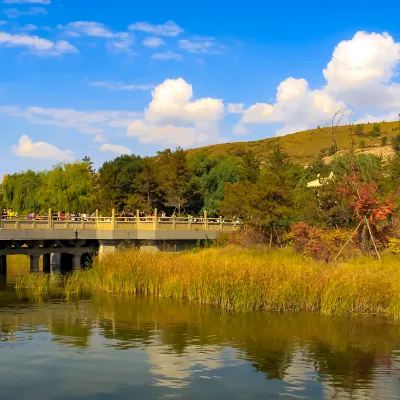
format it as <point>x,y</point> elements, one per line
<point>103,78</point>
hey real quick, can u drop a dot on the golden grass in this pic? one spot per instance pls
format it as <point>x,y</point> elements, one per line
<point>239,279</point>
<point>303,147</point>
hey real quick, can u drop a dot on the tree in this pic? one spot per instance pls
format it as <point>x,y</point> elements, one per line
<point>177,182</point>
<point>23,191</point>
<point>148,183</point>
<point>213,183</point>
<point>69,187</point>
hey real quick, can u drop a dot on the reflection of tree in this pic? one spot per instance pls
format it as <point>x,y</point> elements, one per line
<point>272,362</point>
<point>128,335</point>
<point>350,368</point>
<point>74,332</point>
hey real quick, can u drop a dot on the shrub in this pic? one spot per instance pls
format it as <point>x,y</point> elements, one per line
<point>362,143</point>
<point>384,141</point>
<point>394,245</point>
<point>316,243</point>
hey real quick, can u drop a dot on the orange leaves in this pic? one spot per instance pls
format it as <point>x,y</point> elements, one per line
<point>364,199</point>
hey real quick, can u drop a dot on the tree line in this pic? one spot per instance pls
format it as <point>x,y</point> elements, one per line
<point>272,194</point>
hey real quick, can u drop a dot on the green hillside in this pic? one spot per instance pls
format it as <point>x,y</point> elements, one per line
<point>305,147</point>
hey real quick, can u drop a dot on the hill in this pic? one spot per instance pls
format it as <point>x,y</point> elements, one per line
<point>306,146</point>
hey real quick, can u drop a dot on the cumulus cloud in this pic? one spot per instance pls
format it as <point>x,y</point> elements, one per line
<point>117,86</point>
<point>88,122</point>
<point>359,75</point>
<point>37,45</point>
<point>119,41</point>
<point>27,148</point>
<point>13,13</point>
<point>168,55</point>
<point>361,71</point>
<point>115,148</point>
<point>297,107</point>
<point>174,117</point>
<point>153,42</point>
<point>170,28</point>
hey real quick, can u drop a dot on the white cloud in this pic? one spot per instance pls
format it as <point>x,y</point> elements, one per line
<point>118,41</point>
<point>27,2</point>
<point>235,108</point>
<point>2,22</point>
<point>27,148</point>
<point>366,58</point>
<point>88,122</point>
<point>173,117</point>
<point>115,148</point>
<point>153,42</point>
<point>168,55</point>
<point>297,108</point>
<point>198,44</point>
<point>37,45</point>
<point>360,75</point>
<point>122,86</point>
<point>170,28</point>
<point>361,71</point>
<point>100,138</point>
<point>13,13</point>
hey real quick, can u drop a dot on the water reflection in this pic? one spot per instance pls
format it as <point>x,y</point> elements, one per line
<point>144,348</point>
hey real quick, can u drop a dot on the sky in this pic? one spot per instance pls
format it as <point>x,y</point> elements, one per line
<point>105,78</point>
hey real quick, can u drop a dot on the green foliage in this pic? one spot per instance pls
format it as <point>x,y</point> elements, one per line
<point>65,187</point>
<point>359,129</point>
<point>384,141</point>
<point>396,142</point>
<point>362,143</point>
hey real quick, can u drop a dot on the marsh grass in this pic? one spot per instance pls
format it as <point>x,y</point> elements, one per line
<point>238,279</point>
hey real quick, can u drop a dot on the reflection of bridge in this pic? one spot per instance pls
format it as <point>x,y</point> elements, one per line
<point>63,240</point>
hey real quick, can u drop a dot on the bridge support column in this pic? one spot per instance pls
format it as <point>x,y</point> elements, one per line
<point>34,263</point>
<point>149,249</point>
<point>3,265</point>
<point>46,264</point>
<point>55,262</point>
<point>107,247</point>
<point>76,262</point>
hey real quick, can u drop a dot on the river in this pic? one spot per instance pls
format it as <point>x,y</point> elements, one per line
<point>143,348</point>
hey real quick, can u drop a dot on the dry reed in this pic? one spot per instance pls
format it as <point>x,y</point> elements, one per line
<point>239,279</point>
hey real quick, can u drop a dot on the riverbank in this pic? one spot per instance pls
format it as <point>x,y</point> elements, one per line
<point>237,279</point>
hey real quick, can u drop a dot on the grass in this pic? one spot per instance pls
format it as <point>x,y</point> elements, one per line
<point>237,279</point>
<point>304,147</point>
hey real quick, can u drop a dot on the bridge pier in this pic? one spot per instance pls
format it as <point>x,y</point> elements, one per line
<point>46,263</point>
<point>3,265</point>
<point>34,263</point>
<point>76,262</point>
<point>107,247</point>
<point>55,263</point>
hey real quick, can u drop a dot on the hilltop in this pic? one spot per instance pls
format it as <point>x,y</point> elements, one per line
<point>306,146</point>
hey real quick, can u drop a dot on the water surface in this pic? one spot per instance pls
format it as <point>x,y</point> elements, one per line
<point>134,348</point>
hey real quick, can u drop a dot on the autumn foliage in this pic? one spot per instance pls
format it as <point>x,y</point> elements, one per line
<point>364,199</point>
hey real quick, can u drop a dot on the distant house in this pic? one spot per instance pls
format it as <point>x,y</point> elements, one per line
<point>320,181</point>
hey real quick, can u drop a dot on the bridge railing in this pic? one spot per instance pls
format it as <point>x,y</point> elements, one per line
<point>113,222</point>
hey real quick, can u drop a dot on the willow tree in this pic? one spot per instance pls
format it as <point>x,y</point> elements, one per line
<point>22,191</point>
<point>69,187</point>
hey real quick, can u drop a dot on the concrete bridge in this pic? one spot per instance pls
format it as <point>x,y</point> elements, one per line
<point>66,241</point>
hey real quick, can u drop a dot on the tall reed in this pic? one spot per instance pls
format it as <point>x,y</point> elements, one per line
<point>241,279</point>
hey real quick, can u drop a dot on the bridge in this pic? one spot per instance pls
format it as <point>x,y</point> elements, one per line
<point>67,241</point>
